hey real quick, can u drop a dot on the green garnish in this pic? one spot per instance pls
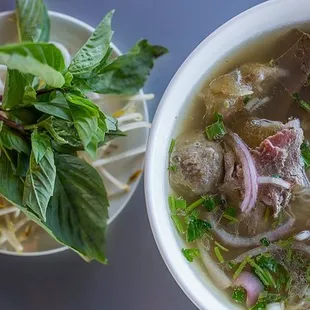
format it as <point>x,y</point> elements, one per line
<point>48,120</point>
<point>217,129</point>
<point>178,224</point>
<point>239,295</point>
<point>265,242</point>
<point>172,168</point>
<point>190,254</point>
<point>221,246</point>
<point>263,274</point>
<point>246,99</point>
<point>171,147</point>
<point>230,214</point>
<point>305,153</point>
<point>180,203</point>
<point>265,299</point>
<point>230,218</point>
<point>194,205</point>
<point>196,229</point>
<point>218,254</point>
<point>267,215</point>
<point>240,268</point>
<point>171,202</point>
<point>209,202</point>
<point>302,103</point>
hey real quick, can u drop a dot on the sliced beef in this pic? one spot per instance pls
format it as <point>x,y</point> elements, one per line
<point>199,165</point>
<point>277,156</point>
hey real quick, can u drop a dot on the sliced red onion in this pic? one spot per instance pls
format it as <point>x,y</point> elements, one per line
<point>252,285</point>
<point>248,168</point>
<point>239,241</point>
<point>216,274</point>
<point>274,181</point>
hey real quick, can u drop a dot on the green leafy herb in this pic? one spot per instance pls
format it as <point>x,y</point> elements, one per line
<point>40,179</point>
<point>265,242</point>
<point>190,254</point>
<point>180,203</point>
<point>178,223</point>
<point>126,74</point>
<point>246,99</point>
<point>305,153</point>
<point>47,120</point>
<point>209,202</point>
<point>33,21</point>
<point>217,129</point>
<point>94,50</point>
<point>239,295</point>
<point>196,229</point>
<point>173,168</point>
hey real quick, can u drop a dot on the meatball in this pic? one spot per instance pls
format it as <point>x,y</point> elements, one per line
<point>199,165</point>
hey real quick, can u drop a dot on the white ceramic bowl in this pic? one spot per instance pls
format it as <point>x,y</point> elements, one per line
<point>73,33</point>
<point>264,18</point>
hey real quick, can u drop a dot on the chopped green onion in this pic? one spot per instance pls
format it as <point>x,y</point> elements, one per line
<point>190,254</point>
<point>303,104</point>
<point>305,153</point>
<point>216,130</point>
<point>230,218</point>
<point>194,205</point>
<point>261,273</point>
<point>178,224</point>
<point>172,145</point>
<point>239,294</point>
<point>218,254</point>
<point>231,211</point>
<point>171,201</point>
<point>173,168</point>
<point>231,265</point>
<point>288,284</point>
<point>267,214</point>
<point>246,99</point>
<point>196,229</point>
<point>221,247</point>
<point>240,268</point>
<point>180,203</point>
<point>271,279</point>
<point>265,242</point>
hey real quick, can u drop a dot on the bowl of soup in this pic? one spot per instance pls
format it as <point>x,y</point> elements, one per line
<point>227,169</point>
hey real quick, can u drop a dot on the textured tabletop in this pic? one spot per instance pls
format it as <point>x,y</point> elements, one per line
<point>136,277</point>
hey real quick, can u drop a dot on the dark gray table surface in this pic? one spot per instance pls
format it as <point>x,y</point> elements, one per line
<point>136,277</point>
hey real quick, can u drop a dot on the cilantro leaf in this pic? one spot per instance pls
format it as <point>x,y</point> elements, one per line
<point>190,254</point>
<point>196,229</point>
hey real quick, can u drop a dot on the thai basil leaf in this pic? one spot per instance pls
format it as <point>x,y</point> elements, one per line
<point>40,59</point>
<point>32,20</point>
<point>30,95</point>
<point>12,141</point>
<point>40,143</point>
<point>11,186</point>
<point>22,164</point>
<point>94,50</point>
<point>24,115</point>
<point>85,116</point>
<point>127,73</point>
<point>67,131</point>
<point>58,107</point>
<point>40,180</point>
<point>77,213</point>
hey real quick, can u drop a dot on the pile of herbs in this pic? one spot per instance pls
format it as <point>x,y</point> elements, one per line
<point>46,118</point>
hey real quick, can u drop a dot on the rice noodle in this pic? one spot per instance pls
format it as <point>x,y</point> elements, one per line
<point>239,241</point>
<point>274,181</point>
<point>216,273</point>
<point>248,168</point>
<point>130,153</point>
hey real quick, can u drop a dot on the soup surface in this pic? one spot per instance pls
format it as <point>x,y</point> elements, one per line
<point>238,170</point>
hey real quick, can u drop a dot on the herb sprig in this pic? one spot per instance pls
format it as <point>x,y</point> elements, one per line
<point>46,118</point>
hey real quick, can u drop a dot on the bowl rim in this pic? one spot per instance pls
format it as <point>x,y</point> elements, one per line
<point>90,29</point>
<point>186,277</point>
